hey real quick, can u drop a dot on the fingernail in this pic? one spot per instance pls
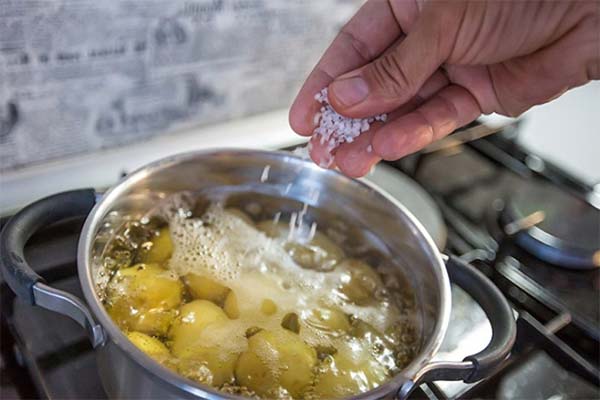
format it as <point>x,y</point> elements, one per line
<point>350,91</point>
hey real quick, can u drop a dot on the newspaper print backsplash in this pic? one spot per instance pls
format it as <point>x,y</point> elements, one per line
<point>79,76</point>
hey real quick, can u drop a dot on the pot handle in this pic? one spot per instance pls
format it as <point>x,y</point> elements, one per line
<point>504,329</point>
<point>22,279</point>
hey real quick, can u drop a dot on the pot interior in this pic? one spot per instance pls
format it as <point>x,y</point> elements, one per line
<point>367,222</point>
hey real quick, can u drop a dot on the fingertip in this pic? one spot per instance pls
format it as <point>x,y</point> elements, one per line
<point>320,154</point>
<point>357,166</point>
<point>301,117</point>
<point>357,158</point>
<point>304,108</point>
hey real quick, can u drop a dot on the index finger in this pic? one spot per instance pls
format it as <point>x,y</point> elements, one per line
<point>363,38</point>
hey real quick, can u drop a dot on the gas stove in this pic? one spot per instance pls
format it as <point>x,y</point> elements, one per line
<point>525,223</point>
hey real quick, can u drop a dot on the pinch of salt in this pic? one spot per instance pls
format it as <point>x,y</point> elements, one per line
<point>334,129</point>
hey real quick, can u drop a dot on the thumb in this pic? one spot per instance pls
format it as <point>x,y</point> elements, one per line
<point>396,76</point>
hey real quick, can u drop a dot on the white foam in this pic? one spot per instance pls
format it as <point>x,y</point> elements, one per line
<point>223,246</point>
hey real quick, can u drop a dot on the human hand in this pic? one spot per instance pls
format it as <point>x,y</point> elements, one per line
<point>435,66</point>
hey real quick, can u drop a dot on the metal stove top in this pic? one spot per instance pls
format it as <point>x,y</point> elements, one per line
<point>45,355</point>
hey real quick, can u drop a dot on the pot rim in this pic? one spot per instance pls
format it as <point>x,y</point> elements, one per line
<point>113,333</point>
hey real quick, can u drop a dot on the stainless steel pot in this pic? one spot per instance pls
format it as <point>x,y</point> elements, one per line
<point>126,372</point>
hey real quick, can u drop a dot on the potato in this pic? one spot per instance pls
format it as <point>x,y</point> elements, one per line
<point>149,345</point>
<point>320,254</point>
<point>345,374</point>
<point>196,370</point>
<point>363,283</point>
<point>155,321</point>
<point>160,250</point>
<point>231,306</point>
<point>368,332</point>
<point>218,361</point>
<point>329,320</point>
<point>143,298</point>
<point>276,360</point>
<point>205,288</point>
<point>193,318</point>
<point>268,307</point>
<point>217,346</point>
<point>153,348</point>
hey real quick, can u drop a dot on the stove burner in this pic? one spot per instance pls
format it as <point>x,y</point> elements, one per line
<point>555,227</point>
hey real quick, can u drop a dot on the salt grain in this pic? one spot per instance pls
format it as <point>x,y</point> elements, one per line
<point>335,129</point>
<point>265,174</point>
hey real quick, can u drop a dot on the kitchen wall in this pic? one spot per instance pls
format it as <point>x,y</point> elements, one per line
<point>80,76</point>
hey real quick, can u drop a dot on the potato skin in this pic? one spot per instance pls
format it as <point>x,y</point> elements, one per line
<point>160,250</point>
<point>218,361</point>
<point>320,254</point>
<point>193,318</point>
<point>342,376</point>
<point>148,344</point>
<point>329,320</point>
<point>364,282</point>
<point>144,298</point>
<point>230,306</point>
<point>276,360</point>
<point>268,307</point>
<point>205,288</point>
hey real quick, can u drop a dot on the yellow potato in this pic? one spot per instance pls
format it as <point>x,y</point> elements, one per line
<point>144,298</point>
<point>345,374</point>
<point>276,360</point>
<point>220,363</point>
<point>363,282</point>
<point>231,306</point>
<point>217,347</point>
<point>268,307</point>
<point>205,288</point>
<point>368,332</point>
<point>160,250</point>
<point>193,318</point>
<point>149,345</point>
<point>196,370</point>
<point>155,321</point>
<point>319,254</point>
<point>329,320</point>
<point>153,348</point>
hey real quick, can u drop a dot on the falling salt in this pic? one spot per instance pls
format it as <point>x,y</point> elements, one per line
<point>265,174</point>
<point>276,217</point>
<point>313,231</point>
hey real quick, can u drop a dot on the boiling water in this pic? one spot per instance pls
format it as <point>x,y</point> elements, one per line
<point>228,247</point>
